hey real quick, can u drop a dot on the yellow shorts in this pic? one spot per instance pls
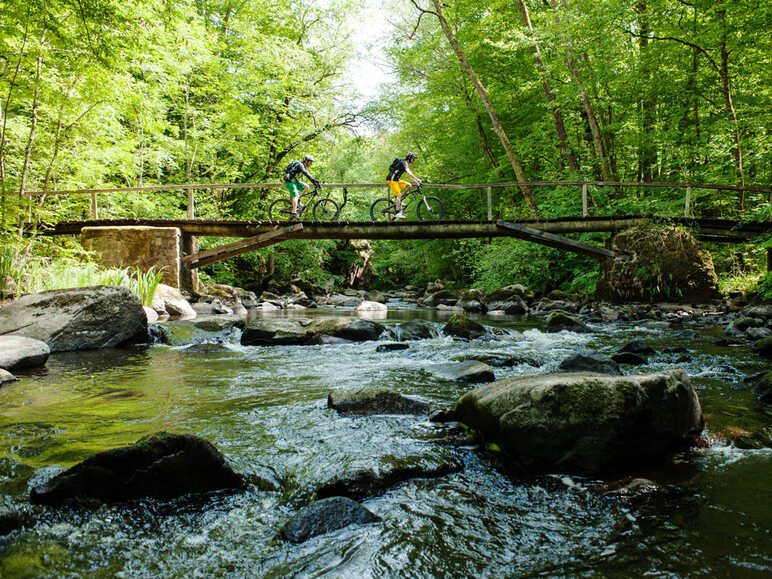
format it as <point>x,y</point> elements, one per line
<point>397,187</point>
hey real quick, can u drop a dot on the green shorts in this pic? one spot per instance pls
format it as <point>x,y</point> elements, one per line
<point>295,188</point>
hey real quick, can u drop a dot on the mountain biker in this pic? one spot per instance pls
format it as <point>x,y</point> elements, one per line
<point>397,186</point>
<point>295,187</point>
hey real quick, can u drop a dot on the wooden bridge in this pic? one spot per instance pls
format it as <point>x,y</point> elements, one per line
<point>549,232</point>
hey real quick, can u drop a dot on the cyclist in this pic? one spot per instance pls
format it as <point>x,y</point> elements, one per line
<point>295,187</point>
<point>397,186</point>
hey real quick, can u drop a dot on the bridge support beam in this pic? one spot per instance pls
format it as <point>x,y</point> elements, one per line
<point>188,276</point>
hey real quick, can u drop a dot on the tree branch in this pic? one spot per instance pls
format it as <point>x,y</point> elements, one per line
<point>685,43</point>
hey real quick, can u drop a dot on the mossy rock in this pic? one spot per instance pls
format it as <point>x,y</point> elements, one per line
<point>762,388</point>
<point>560,321</point>
<point>657,264</point>
<point>463,326</point>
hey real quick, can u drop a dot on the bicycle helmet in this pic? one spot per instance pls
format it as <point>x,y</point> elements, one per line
<point>411,156</point>
<point>308,159</point>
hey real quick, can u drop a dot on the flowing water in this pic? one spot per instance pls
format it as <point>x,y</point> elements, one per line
<point>265,409</point>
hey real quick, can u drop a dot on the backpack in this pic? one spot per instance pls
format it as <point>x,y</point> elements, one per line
<point>292,170</point>
<point>396,169</point>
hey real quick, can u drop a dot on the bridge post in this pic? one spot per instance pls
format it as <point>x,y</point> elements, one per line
<point>585,208</point>
<point>688,202</point>
<point>191,207</point>
<point>94,206</point>
<point>490,203</point>
<point>188,277</point>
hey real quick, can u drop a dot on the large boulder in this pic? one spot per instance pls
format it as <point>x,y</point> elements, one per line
<point>462,326</point>
<point>585,422</point>
<point>374,400</point>
<point>325,516</point>
<point>77,319</point>
<point>204,328</point>
<point>160,465</point>
<point>657,264</point>
<point>19,353</point>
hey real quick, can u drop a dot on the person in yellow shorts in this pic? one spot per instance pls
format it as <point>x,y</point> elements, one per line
<point>397,168</point>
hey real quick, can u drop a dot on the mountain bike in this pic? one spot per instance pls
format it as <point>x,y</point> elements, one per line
<point>324,209</point>
<point>427,207</point>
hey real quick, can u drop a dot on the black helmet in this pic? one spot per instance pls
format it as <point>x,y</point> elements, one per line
<point>411,156</point>
<point>308,159</point>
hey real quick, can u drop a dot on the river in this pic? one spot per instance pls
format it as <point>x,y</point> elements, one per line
<point>265,409</point>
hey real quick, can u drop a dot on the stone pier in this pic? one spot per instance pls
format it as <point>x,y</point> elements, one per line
<point>140,246</point>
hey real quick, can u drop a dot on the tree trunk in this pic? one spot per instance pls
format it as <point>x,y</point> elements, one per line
<point>727,91</point>
<point>557,115</point>
<point>33,127</point>
<point>646,150</point>
<point>11,86</point>
<point>483,94</point>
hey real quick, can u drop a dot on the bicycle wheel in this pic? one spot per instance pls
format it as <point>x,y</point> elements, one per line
<point>326,210</point>
<point>430,208</point>
<point>280,210</point>
<point>382,209</point>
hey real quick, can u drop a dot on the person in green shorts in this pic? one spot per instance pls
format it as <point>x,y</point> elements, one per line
<point>295,187</point>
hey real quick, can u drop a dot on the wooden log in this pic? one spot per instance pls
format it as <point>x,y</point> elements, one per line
<point>556,241</point>
<point>238,247</point>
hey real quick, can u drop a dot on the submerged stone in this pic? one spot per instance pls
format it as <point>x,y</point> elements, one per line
<point>559,321</point>
<point>589,362</point>
<point>468,371</point>
<point>374,400</point>
<point>325,516</point>
<point>160,465</point>
<point>585,422</point>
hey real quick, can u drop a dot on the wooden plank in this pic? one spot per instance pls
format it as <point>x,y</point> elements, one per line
<point>556,241</point>
<point>253,247</point>
<point>243,245</point>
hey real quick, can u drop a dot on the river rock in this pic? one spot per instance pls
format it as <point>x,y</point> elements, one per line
<point>215,306</point>
<point>77,319</point>
<point>660,264</point>
<point>628,358</point>
<point>324,516</point>
<point>169,300</point>
<point>160,465</point>
<point>279,332</point>
<point>19,353</point>
<point>585,422</point>
<point>498,360</point>
<point>6,377</point>
<point>444,297</point>
<point>389,471</point>
<point>470,371</point>
<point>763,347</point>
<point>560,321</point>
<point>391,347</point>
<point>415,330</point>
<point>509,292</point>
<point>210,328</point>
<point>11,519</point>
<point>374,400</point>
<point>462,326</point>
<point>589,362</point>
<point>758,333</point>
<point>763,311</point>
<point>353,329</point>
<point>371,307</point>
<point>762,388</point>
<point>150,314</point>
<point>638,347</point>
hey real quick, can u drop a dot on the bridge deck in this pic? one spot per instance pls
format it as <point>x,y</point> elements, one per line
<point>713,229</point>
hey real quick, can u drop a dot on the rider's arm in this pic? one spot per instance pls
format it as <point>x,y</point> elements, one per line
<point>415,179</point>
<point>307,174</point>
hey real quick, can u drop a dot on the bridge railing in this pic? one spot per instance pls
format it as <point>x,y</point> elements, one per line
<point>192,188</point>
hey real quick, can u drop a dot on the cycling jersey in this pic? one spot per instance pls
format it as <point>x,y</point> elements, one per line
<point>396,169</point>
<point>294,169</point>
